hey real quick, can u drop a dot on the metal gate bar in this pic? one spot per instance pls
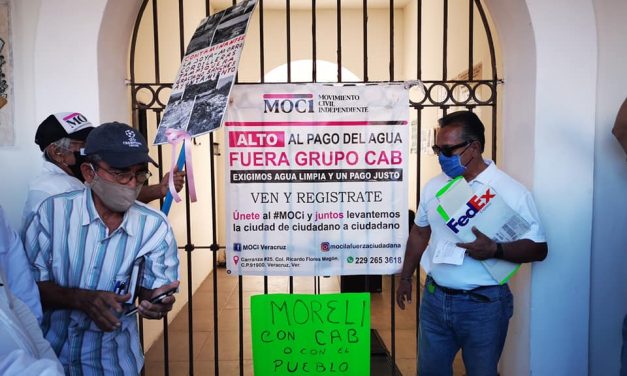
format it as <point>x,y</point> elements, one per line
<point>339,40</point>
<point>392,279</point>
<point>495,79</point>
<point>445,42</point>
<point>314,45</point>
<point>471,32</point>
<point>364,21</point>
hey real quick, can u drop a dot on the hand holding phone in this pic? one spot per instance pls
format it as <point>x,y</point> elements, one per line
<point>153,300</point>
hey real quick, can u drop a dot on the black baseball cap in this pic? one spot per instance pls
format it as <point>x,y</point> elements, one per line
<point>71,125</point>
<point>118,144</point>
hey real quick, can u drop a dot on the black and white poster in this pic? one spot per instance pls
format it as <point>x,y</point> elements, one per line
<point>201,90</point>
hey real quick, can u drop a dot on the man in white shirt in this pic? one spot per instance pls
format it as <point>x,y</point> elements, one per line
<point>60,137</point>
<point>463,306</point>
<point>16,268</point>
<point>23,350</point>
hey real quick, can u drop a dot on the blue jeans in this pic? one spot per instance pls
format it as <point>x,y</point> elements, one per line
<point>475,322</point>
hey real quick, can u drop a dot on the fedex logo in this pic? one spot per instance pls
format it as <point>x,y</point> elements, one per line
<point>475,204</point>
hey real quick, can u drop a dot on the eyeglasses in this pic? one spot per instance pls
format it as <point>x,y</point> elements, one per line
<point>123,177</point>
<point>76,145</point>
<point>448,150</point>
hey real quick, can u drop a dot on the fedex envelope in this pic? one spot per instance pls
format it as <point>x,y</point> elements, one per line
<point>461,209</point>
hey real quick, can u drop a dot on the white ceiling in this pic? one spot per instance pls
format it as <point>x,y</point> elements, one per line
<point>320,4</point>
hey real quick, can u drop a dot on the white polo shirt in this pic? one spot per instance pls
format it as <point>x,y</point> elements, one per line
<point>471,273</point>
<point>51,181</point>
<point>23,349</point>
<point>16,268</point>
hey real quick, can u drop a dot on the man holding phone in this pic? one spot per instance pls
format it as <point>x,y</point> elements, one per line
<point>93,251</point>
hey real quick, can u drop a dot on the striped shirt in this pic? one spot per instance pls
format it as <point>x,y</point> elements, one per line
<point>68,244</point>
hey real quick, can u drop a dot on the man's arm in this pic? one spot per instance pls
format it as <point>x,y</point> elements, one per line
<point>156,191</point>
<point>518,251</point>
<point>160,275</point>
<point>98,305</point>
<point>155,311</point>
<point>523,250</point>
<point>416,245</point>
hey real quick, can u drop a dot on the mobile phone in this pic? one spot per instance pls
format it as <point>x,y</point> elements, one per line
<point>153,300</point>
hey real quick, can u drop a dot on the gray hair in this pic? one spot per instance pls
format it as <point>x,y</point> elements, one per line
<point>94,158</point>
<point>62,143</point>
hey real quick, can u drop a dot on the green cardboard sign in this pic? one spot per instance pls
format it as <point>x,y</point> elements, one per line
<point>299,334</point>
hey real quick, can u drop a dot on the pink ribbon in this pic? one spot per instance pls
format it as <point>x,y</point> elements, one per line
<point>174,137</point>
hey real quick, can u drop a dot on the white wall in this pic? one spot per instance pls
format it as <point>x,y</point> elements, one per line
<point>550,136</point>
<point>566,49</point>
<point>516,39</point>
<point>56,69</point>
<point>66,67</point>
<point>113,35</point>
<point>608,305</point>
<point>24,20</point>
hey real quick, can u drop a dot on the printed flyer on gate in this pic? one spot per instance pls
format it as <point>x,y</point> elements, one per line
<point>316,179</point>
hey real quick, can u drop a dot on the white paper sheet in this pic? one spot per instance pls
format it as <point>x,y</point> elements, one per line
<point>449,253</point>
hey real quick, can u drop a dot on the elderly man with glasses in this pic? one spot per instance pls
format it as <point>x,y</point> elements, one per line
<point>94,250</point>
<point>61,137</point>
<point>463,306</point>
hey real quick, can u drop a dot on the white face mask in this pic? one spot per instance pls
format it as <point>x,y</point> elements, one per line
<point>117,197</point>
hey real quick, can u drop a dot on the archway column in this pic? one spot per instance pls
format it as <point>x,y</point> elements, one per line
<point>550,70</point>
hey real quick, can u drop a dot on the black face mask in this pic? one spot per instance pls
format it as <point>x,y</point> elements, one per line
<point>76,167</point>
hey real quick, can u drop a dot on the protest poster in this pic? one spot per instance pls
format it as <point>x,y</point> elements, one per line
<point>326,334</point>
<point>316,179</point>
<point>201,90</point>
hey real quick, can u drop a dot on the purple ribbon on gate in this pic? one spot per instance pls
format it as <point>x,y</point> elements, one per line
<point>174,137</point>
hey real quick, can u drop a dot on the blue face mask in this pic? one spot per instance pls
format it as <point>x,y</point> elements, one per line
<point>452,166</point>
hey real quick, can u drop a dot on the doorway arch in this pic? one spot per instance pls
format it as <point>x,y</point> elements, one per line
<point>465,74</point>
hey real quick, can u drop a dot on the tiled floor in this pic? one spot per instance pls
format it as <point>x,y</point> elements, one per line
<point>228,319</point>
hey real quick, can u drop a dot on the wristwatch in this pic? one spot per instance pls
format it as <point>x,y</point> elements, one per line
<point>499,251</point>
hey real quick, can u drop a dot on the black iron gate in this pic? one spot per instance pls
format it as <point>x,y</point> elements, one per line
<point>447,44</point>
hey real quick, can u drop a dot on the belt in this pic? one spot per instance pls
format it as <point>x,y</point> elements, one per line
<point>476,292</point>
